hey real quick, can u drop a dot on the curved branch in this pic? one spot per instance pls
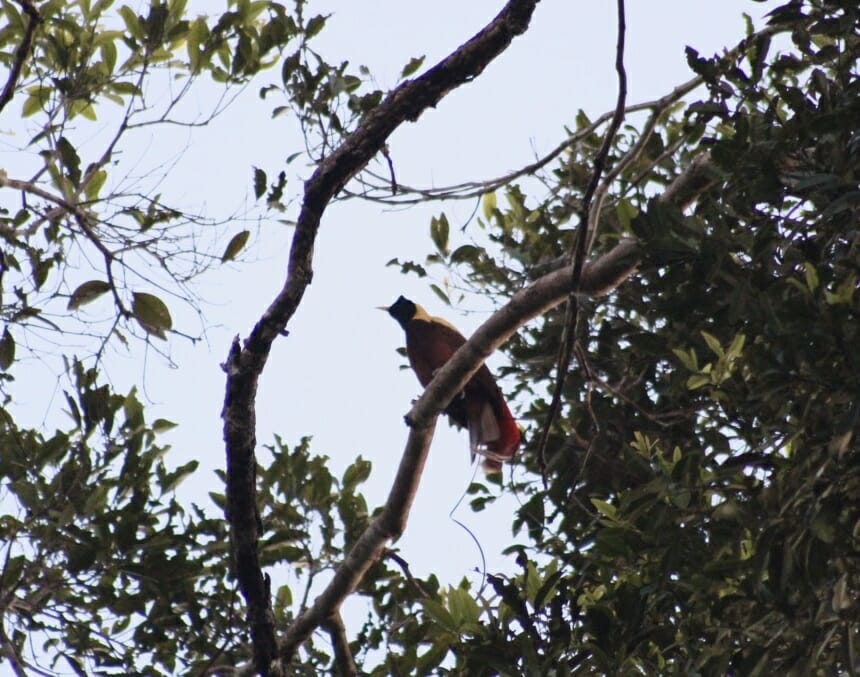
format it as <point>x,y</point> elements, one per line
<point>245,364</point>
<point>411,195</point>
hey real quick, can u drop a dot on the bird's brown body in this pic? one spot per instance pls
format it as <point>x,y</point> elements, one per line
<point>430,343</point>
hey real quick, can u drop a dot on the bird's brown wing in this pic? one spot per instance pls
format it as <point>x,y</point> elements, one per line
<point>429,345</point>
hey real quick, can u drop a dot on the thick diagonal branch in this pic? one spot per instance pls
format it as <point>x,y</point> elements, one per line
<point>245,363</point>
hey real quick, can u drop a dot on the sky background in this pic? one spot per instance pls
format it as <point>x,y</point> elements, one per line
<point>337,376</point>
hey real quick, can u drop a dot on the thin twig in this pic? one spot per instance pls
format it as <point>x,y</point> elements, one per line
<point>410,195</point>
<point>82,218</point>
<point>404,567</point>
<point>21,53</point>
<point>577,255</point>
<point>387,155</point>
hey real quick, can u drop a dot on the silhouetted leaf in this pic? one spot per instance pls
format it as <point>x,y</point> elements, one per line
<point>236,244</point>
<point>7,350</point>
<point>152,314</point>
<point>86,292</point>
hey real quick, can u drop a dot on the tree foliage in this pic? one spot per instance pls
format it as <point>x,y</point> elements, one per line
<point>701,511</point>
<point>695,508</point>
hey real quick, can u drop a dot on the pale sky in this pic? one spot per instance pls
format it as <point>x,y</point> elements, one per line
<point>336,376</point>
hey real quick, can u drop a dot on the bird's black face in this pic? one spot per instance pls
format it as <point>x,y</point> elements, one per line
<point>402,310</point>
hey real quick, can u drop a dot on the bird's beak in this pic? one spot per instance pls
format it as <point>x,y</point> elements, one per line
<point>385,308</point>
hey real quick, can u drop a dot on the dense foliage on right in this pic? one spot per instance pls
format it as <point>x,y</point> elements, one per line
<point>702,507</point>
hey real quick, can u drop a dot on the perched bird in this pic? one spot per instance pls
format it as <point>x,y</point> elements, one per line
<point>430,343</point>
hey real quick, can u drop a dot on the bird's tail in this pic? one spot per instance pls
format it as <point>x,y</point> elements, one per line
<point>494,435</point>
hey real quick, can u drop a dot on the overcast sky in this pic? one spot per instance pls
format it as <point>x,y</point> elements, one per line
<point>337,375</point>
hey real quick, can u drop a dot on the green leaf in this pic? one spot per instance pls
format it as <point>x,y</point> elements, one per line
<point>86,292</point>
<point>844,292</point>
<point>161,425</point>
<point>13,569</point>
<point>697,381</point>
<point>582,120</point>
<point>355,474</point>
<point>442,295</point>
<point>236,244</point>
<point>736,348</point>
<point>414,64</point>
<point>604,508</point>
<point>95,184</point>
<point>36,101</point>
<point>315,25</point>
<point>688,358</point>
<point>464,610</point>
<point>70,160</point>
<point>7,350</point>
<point>488,205</point>
<point>152,314</point>
<point>811,276</point>
<point>465,253</point>
<point>109,53</point>
<point>439,232</point>
<point>175,478</point>
<point>713,343</point>
<point>438,613</point>
<point>132,22</point>
<point>260,182</point>
<point>284,597</point>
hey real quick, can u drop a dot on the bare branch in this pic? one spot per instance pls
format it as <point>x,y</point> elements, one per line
<point>245,364</point>
<point>82,218</point>
<point>696,178</point>
<point>409,195</point>
<point>21,53</point>
<point>342,655</point>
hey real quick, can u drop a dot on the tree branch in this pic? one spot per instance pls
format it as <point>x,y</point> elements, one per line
<point>245,364</point>
<point>587,227</point>
<point>598,279</point>
<point>21,53</point>
<point>409,195</point>
<point>82,218</point>
<point>342,654</point>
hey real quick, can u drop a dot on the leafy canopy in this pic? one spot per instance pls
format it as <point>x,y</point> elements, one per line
<point>700,512</point>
